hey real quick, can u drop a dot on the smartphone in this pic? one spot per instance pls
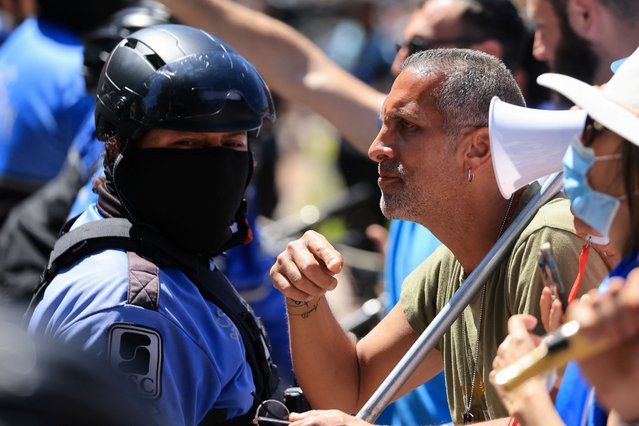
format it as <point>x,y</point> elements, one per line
<point>550,274</point>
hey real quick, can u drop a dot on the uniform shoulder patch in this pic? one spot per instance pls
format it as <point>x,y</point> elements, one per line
<point>136,351</point>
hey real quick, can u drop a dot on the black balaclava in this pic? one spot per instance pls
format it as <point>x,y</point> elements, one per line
<point>193,196</point>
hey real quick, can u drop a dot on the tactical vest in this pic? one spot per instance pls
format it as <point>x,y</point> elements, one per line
<point>147,250</point>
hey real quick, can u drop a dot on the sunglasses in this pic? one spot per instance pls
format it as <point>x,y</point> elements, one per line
<point>271,413</point>
<point>418,43</point>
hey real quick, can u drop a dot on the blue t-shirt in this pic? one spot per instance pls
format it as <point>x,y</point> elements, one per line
<point>576,402</point>
<point>408,245</point>
<point>43,102</point>
<point>187,356</point>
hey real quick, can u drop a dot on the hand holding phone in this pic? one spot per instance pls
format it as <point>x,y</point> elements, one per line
<point>550,274</point>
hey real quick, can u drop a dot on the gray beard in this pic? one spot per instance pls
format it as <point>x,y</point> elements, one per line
<point>407,204</point>
<point>403,206</point>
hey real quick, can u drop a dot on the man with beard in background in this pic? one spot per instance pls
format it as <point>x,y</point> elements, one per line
<point>581,38</point>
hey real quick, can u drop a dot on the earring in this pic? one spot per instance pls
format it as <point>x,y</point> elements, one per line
<point>470,175</point>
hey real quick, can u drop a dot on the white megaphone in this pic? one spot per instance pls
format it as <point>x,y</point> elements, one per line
<point>528,144</point>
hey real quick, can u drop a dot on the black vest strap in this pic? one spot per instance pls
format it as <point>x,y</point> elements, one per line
<point>119,233</point>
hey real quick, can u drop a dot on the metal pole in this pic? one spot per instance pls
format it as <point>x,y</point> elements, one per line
<point>455,306</point>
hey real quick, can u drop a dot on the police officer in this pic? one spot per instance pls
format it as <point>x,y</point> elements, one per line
<point>133,280</point>
<point>33,225</point>
<point>43,101</point>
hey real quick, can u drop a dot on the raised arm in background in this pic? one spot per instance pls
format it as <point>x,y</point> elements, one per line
<point>292,65</point>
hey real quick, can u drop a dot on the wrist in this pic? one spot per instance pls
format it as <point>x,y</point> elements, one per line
<point>534,405</point>
<point>302,309</point>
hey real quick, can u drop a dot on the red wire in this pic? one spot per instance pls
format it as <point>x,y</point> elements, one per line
<point>583,259</point>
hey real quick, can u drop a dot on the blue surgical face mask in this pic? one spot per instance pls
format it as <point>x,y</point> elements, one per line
<point>595,208</point>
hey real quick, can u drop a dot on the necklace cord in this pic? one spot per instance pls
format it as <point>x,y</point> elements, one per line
<point>468,398</point>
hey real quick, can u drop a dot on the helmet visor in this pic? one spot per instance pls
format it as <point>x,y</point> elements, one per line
<point>211,91</point>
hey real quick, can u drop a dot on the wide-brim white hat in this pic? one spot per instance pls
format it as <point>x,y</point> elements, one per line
<point>615,105</point>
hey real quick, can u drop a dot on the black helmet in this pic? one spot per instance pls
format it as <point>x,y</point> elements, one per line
<point>100,42</point>
<point>180,78</point>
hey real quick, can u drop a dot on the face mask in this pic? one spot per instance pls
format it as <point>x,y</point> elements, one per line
<point>595,208</point>
<point>190,195</point>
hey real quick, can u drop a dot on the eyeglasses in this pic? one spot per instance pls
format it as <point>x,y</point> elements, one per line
<point>270,413</point>
<point>418,43</point>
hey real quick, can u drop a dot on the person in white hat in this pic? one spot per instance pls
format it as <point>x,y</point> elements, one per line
<point>601,178</point>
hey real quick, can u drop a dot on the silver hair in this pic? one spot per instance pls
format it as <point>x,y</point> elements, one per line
<point>468,81</point>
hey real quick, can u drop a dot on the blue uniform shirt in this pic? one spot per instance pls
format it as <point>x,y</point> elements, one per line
<point>188,356</point>
<point>43,102</point>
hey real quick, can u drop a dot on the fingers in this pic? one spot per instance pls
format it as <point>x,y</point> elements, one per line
<point>556,317</point>
<point>287,286</point>
<point>586,298</point>
<point>618,310</point>
<point>323,251</point>
<point>630,302</point>
<point>305,269</point>
<point>518,325</point>
<point>545,303</point>
<point>612,314</point>
<point>518,342</point>
<point>324,417</point>
<point>552,314</point>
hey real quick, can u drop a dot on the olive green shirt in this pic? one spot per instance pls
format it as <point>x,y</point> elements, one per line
<point>514,287</point>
